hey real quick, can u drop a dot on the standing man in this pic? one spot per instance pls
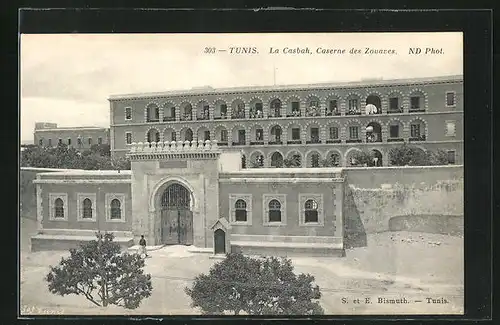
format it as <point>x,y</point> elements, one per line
<point>142,246</point>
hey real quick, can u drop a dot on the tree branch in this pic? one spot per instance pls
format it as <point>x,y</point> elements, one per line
<point>87,295</point>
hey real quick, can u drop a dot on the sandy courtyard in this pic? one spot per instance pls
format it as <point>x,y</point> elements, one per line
<point>414,266</point>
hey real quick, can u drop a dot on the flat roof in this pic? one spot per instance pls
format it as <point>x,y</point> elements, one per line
<point>345,84</point>
<point>88,173</point>
<point>72,128</point>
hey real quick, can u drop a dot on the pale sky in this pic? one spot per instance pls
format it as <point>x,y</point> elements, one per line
<point>67,78</point>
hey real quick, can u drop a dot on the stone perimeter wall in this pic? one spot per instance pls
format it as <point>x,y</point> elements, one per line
<point>428,199</point>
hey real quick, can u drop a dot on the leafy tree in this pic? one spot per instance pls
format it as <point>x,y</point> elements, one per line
<point>412,156</point>
<point>363,158</point>
<point>255,286</point>
<point>292,162</point>
<point>101,273</point>
<point>62,156</point>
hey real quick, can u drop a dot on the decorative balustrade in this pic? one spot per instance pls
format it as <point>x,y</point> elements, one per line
<point>173,146</point>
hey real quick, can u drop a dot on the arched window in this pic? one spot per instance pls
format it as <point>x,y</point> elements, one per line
<point>59,208</point>
<point>274,211</point>
<point>87,209</point>
<point>116,211</point>
<point>240,211</point>
<point>311,211</point>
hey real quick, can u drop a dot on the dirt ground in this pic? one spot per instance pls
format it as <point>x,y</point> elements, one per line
<point>394,265</point>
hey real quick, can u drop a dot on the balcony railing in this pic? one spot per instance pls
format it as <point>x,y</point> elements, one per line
<point>260,142</point>
<point>313,141</point>
<point>153,119</point>
<point>168,118</point>
<point>416,110</point>
<point>353,112</point>
<point>395,140</point>
<point>353,141</point>
<point>187,117</point>
<point>294,142</point>
<point>274,115</point>
<point>203,117</point>
<point>333,141</point>
<point>275,142</point>
<point>239,143</point>
<point>222,143</point>
<point>294,114</point>
<point>419,138</point>
<point>238,115</point>
<point>259,114</point>
<point>394,111</point>
<point>221,117</point>
<point>334,113</point>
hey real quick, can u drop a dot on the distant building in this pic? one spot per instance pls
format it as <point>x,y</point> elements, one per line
<point>80,138</point>
<point>307,123</point>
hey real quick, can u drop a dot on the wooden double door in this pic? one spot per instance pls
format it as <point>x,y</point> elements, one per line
<point>176,216</point>
<point>177,227</point>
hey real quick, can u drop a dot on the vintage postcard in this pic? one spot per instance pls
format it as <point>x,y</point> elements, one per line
<point>242,174</point>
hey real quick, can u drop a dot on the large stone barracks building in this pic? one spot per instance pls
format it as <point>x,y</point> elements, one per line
<point>188,183</point>
<point>307,122</point>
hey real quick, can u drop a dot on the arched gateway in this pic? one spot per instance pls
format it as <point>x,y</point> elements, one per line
<point>176,215</point>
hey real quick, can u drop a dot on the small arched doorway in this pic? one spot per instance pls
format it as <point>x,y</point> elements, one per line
<point>176,216</point>
<point>219,242</point>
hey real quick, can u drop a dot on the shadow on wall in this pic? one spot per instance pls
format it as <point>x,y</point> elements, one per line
<point>354,230</point>
<point>435,224</point>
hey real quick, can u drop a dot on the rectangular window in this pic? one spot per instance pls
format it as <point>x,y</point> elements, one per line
<point>128,113</point>
<point>223,136</point>
<point>207,135</point>
<point>295,106</point>
<point>451,157</point>
<point>258,106</point>
<point>90,141</point>
<point>223,109</point>
<point>394,131</point>
<point>450,128</point>
<point>353,132</point>
<point>50,142</point>
<point>99,140</point>
<point>353,104</point>
<point>259,135</point>
<point>315,134</point>
<point>129,137</point>
<point>415,102</point>
<point>415,131</point>
<point>394,104</point>
<point>295,134</point>
<point>333,105</point>
<point>450,99</point>
<point>241,136</point>
<point>334,133</point>
<point>69,141</point>
<point>174,136</point>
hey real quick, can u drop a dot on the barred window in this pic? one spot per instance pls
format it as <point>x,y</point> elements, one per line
<point>393,104</point>
<point>59,208</point>
<point>311,211</point>
<point>394,131</point>
<point>116,212</point>
<point>415,102</point>
<point>87,209</point>
<point>223,135</point>
<point>295,134</point>
<point>128,113</point>
<point>353,104</point>
<point>353,132</point>
<point>90,141</point>
<point>241,211</point>
<point>450,99</point>
<point>129,137</point>
<point>415,130</point>
<point>274,211</point>
<point>334,133</point>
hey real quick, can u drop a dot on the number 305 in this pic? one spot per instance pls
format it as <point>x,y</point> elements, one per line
<point>209,50</point>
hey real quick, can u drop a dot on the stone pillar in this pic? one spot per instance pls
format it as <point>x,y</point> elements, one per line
<point>266,109</point>
<point>248,135</point>
<point>177,113</point>
<point>384,133</point>
<point>146,114</point>
<point>194,111</point>
<point>406,131</point>
<point>342,106</point>
<point>384,102</point>
<point>343,133</point>
<point>284,109</point>
<point>303,107</point>
<point>247,110</point>
<point>230,137</point>
<point>211,111</point>
<point>229,111</point>
<point>322,107</point>
<point>385,157</point>
<point>362,105</point>
<point>161,113</point>
<point>304,136</point>
<point>338,197</point>
<point>323,133</point>
<point>265,135</point>
<point>406,104</point>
